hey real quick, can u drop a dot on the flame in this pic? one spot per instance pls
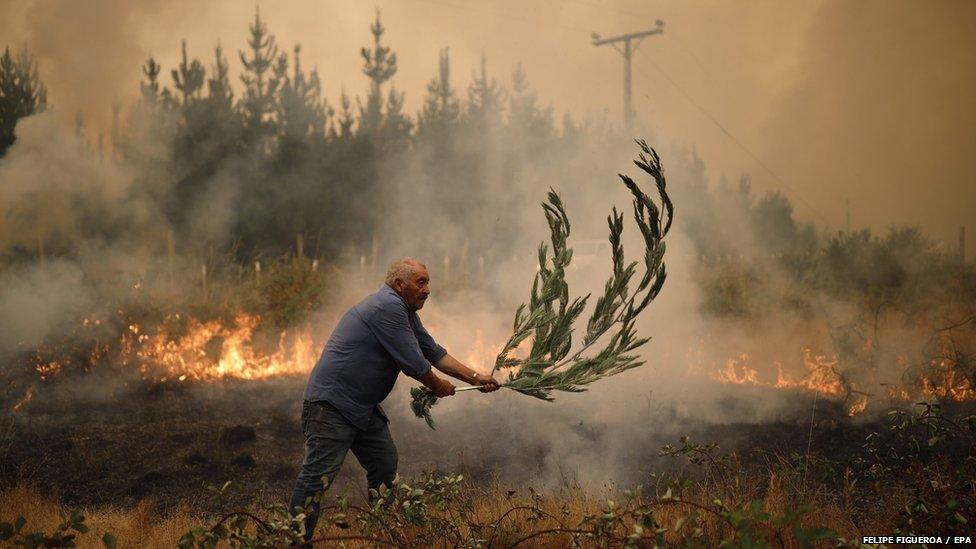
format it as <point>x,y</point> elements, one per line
<point>48,369</point>
<point>821,377</point>
<point>738,372</point>
<point>27,398</point>
<point>211,350</point>
<point>192,356</point>
<point>481,355</point>
<point>942,380</point>
<point>860,404</point>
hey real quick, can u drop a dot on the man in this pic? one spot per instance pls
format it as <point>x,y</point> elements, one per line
<point>374,341</point>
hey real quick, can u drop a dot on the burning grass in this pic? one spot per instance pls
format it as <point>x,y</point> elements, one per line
<point>717,500</point>
<point>180,376</point>
<point>142,471</point>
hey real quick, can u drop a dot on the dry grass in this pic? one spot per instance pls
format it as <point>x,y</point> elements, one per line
<point>141,527</point>
<point>135,527</point>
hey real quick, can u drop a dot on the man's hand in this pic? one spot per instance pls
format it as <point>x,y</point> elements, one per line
<point>452,367</point>
<point>488,383</point>
<point>442,388</point>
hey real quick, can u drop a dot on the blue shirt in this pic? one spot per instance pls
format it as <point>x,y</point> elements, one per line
<point>374,341</point>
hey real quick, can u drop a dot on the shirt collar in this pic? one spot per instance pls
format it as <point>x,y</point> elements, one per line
<point>388,289</point>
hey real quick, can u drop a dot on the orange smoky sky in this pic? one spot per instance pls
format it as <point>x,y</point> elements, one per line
<point>870,102</point>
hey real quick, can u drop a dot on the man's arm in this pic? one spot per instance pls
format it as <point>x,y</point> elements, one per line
<point>391,327</point>
<point>437,385</point>
<point>453,367</point>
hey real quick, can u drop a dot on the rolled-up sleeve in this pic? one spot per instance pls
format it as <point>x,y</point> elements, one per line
<point>391,327</point>
<point>432,351</point>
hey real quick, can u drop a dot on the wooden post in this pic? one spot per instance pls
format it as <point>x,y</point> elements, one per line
<point>40,242</point>
<point>373,254</point>
<point>203,276</point>
<point>462,266</point>
<point>962,244</point>
<point>300,245</point>
<point>170,254</point>
<point>257,272</point>
<point>315,265</point>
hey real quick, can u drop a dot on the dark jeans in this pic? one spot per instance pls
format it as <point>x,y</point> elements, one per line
<point>328,437</point>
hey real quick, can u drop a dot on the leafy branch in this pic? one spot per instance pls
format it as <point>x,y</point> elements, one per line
<point>550,317</point>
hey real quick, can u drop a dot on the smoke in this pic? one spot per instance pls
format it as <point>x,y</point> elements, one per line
<point>39,301</point>
<point>840,100</point>
<point>56,197</point>
<point>80,235</point>
<point>882,105</point>
<point>613,430</point>
<point>481,221</point>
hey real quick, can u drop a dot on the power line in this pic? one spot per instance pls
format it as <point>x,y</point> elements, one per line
<point>706,113</point>
<point>671,35</point>
<point>735,140</point>
<point>628,52</point>
<point>786,187</point>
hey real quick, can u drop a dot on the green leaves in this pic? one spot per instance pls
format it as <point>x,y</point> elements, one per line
<point>422,401</point>
<point>550,316</point>
<point>59,538</point>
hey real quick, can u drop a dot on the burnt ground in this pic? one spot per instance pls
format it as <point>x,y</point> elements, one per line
<point>169,443</point>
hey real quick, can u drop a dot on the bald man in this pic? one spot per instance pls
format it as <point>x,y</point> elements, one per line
<point>376,339</point>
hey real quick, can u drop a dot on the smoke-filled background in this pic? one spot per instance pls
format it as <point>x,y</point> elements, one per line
<point>202,189</point>
<point>842,101</point>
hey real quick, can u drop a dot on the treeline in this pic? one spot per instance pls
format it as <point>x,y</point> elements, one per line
<point>248,166</point>
<point>354,173</point>
<point>757,259</point>
<point>276,158</point>
<point>21,93</point>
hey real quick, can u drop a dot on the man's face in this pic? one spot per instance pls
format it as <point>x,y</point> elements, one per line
<point>415,288</point>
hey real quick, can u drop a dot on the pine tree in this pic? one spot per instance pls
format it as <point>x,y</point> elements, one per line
<point>205,133</point>
<point>485,98</point>
<point>261,80</point>
<point>342,128</point>
<point>188,78</point>
<point>527,121</point>
<point>219,93</point>
<point>21,93</point>
<point>396,124</point>
<point>571,131</point>
<point>150,86</point>
<point>379,64</point>
<point>302,112</point>
<point>442,108</point>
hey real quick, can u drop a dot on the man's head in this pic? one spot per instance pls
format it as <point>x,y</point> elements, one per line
<point>409,278</point>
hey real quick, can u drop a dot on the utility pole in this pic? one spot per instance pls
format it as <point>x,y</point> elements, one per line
<point>962,244</point>
<point>628,51</point>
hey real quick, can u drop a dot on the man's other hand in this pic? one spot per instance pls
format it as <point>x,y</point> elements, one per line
<point>442,388</point>
<point>488,383</point>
